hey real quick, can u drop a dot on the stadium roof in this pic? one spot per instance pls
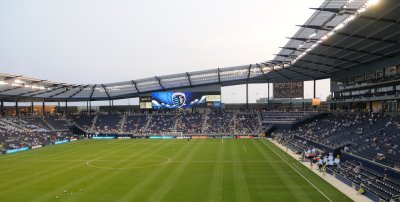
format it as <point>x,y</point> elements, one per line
<point>340,35</point>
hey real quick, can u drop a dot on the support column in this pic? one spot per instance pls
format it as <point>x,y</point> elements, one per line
<point>43,108</point>
<point>2,108</point>
<point>66,108</point>
<point>32,112</point>
<point>370,106</point>
<point>87,106</point>
<point>315,91</point>
<point>59,107</point>
<point>16,108</point>
<point>247,95</point>
<point>90,106</point>
<point>268,97</point>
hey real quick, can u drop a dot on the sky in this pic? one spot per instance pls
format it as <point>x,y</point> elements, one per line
<point>102,41</point>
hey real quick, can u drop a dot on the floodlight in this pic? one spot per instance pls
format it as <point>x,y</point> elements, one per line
<point>372,2</point>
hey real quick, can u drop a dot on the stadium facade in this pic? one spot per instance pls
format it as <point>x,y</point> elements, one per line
<point>352,42</point>
<point>355,43</point>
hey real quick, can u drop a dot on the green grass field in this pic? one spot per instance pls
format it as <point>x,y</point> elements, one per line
<point>160,170</point>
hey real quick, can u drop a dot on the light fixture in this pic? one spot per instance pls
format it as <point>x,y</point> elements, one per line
<point>338,27</point>
<point>18,81</point>
<point>372,2</point>
<point>312,35</point>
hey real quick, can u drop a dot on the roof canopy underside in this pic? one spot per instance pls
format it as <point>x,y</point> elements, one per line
<point>373,36</point>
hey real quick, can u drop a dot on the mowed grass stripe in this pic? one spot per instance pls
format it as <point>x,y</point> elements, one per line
<point>57,176</point>
<point>241,187</point>
<point>36,154</point>
<point>39,150</point>
<point>26,172</point>
<point>55,182</point>
<point>201,170</point>
<point>216,185</point>
<point>192,184</point>
<point>170,181</point>
<point>107,179</point>
<point>99,174</point>
<point>138,191</point>
<point>283,182</point>
<point>329,190</point>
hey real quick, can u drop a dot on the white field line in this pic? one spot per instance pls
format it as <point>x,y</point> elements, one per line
<point>297,171</point>
<point>244,148</point>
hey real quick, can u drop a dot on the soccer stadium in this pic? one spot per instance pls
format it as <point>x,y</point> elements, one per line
<point>317,121</point>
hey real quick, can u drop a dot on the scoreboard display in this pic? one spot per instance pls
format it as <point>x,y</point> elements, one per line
<point>172,100</point>
<point>289,90</point>
<point>145,102</point>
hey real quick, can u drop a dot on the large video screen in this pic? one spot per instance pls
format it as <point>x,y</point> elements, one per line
<point>172,100</point>
<point>289,90</point>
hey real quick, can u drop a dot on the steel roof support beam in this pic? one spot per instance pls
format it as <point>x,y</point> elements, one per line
<point>335,58</point>
<point>338,47</point>
<point>15,88</point>
<point>159,82</point>
<point>292,65</point>
<point>219,76</point>
<point>310,69</point>
<point>48,91</point>
<point>80,89</point>
<point>319,63</point>
<point>316,27</point>
<point>337,10</point>
<point>289,69</point>
<point>297,72</point>
<point>190,81</point>
<point>325,56</point>
<point>273,69</point>
<point>349,35</point>
<point>91,94</point>
<point>380,19</point>
<point>375,52</point>
<point>135,85</point>
<point>294,49</point>
<point>262,71</point>
<point>11,77</point>
<point>365,25</point>
<point>287,56</point>
<point>66,90</point>
<point>105,90</point>
<point>248,74</point>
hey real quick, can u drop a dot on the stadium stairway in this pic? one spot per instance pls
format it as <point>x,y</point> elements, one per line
<point>148,122</point>
<point>122,122</point>
<point>204,123</point>
<point>94,122</point>
<point>176,123</point>
<point>259,121</point>
<point>47,123</point>
<point>234,121</point>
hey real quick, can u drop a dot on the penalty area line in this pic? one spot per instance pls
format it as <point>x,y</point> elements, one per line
<point>297,171</point>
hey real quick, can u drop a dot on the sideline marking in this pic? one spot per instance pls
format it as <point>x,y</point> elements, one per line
<point>228,161</point>
<point>297,171</point>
